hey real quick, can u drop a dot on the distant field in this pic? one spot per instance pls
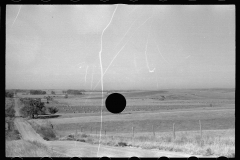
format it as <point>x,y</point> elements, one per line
<point>149,101</point>
<point>152,111</point>
<point>215,119</point>
<point>143,109</point>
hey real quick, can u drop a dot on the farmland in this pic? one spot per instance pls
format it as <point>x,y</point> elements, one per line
<point>148,112</point>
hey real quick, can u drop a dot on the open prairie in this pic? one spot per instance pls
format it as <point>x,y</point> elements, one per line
<point>149,113</point>
<point>214,107</point>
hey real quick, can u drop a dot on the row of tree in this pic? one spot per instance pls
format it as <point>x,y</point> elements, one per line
<point>34,107</point>
<point>9,94</point>
<point>34,92</point>
<point>74,92</point>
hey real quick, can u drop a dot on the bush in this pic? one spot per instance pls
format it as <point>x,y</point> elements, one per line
<point>81,140</point>
<point>9,112</point>
<point>52,110</point>
<point>9,94</point>
<point>45,131</point>
<point>32,107</point>
<point>122,144</point>
<point>84,135</point>
<point>27,111</point>
<point>12,133</point>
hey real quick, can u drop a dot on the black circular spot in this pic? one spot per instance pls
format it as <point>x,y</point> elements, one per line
<point>115,103</point>
<point>17,158</point>
<point>104,158</point>
<point>192,158</point>
<point>222,158</point>
<point>46,158</point>
<point>134,158</point>
<point>75,158</point>
<point>163,158</point>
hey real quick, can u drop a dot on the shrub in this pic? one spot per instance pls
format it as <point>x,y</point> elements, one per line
<point>84,135</point>
<point>27,111</point>
<point>32,107</point>
<point>9,94</point>
<point>9,112</point>
<point>12,133</point>
<point>52,110</point>
<point>45,131</point>
<point>122,144</point>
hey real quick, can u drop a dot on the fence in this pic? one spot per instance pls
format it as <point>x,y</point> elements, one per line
<point>134,131</point>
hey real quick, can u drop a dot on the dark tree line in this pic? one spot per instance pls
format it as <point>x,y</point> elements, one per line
<point>9,94</point>
<point>34,107</point>
<point>34,92</point>
<point>74,92</point>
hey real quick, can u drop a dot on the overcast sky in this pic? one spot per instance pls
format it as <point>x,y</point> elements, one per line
<point>157,47</point>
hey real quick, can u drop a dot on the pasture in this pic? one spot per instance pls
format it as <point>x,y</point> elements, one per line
<point>147,112</point>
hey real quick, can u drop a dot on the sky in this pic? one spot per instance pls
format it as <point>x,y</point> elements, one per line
<point>133,46</point>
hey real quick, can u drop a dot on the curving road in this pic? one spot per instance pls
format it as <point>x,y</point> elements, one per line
<point>80,149</point>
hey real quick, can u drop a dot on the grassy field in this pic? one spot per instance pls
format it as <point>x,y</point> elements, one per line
<point>11,133</point>
<point>213,142</point>
<point>21,148</point>
<point>146,110</point>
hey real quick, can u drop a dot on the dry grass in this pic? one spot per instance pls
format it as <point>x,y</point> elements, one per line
<point>9,102</point>
<point>44,129</point>
<point>22,148</point>
<point>214,143</point>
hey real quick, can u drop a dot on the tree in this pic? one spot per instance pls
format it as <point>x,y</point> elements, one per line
<point>9,112</point>
<point>53,92</point>
<point>49,98</point>
<point>9,94</point>
<point>32,107</point>
<point>52,110</point>
<point>75,92</point>
<point>34,92</point>
<point>27,111</point>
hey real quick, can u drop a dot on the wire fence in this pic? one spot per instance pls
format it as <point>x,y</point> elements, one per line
<point>137,131</point>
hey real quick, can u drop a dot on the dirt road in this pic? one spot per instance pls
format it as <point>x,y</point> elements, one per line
<point>80,149</point>
<point>16,107</point>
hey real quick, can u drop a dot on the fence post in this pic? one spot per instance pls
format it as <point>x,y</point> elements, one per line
<point>173,130</point>
<point>153,131</point>
<point>200,126</point>
<point>133,132</point>
<point>76,133</point>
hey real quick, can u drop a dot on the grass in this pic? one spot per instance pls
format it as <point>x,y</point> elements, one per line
<point>11,133</point>
<point>214,143</point>
<point>23,148</point>
<point>143,122</point>
<point>9,102</point>
<point>44,130</point>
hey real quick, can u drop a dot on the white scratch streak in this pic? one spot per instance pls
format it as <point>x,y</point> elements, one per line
<point>161,53</point>
<point>86,75</point>
<point>100,59</point>
<point>121,50</point>
<point>146,49</point>
<point>17,15</point>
